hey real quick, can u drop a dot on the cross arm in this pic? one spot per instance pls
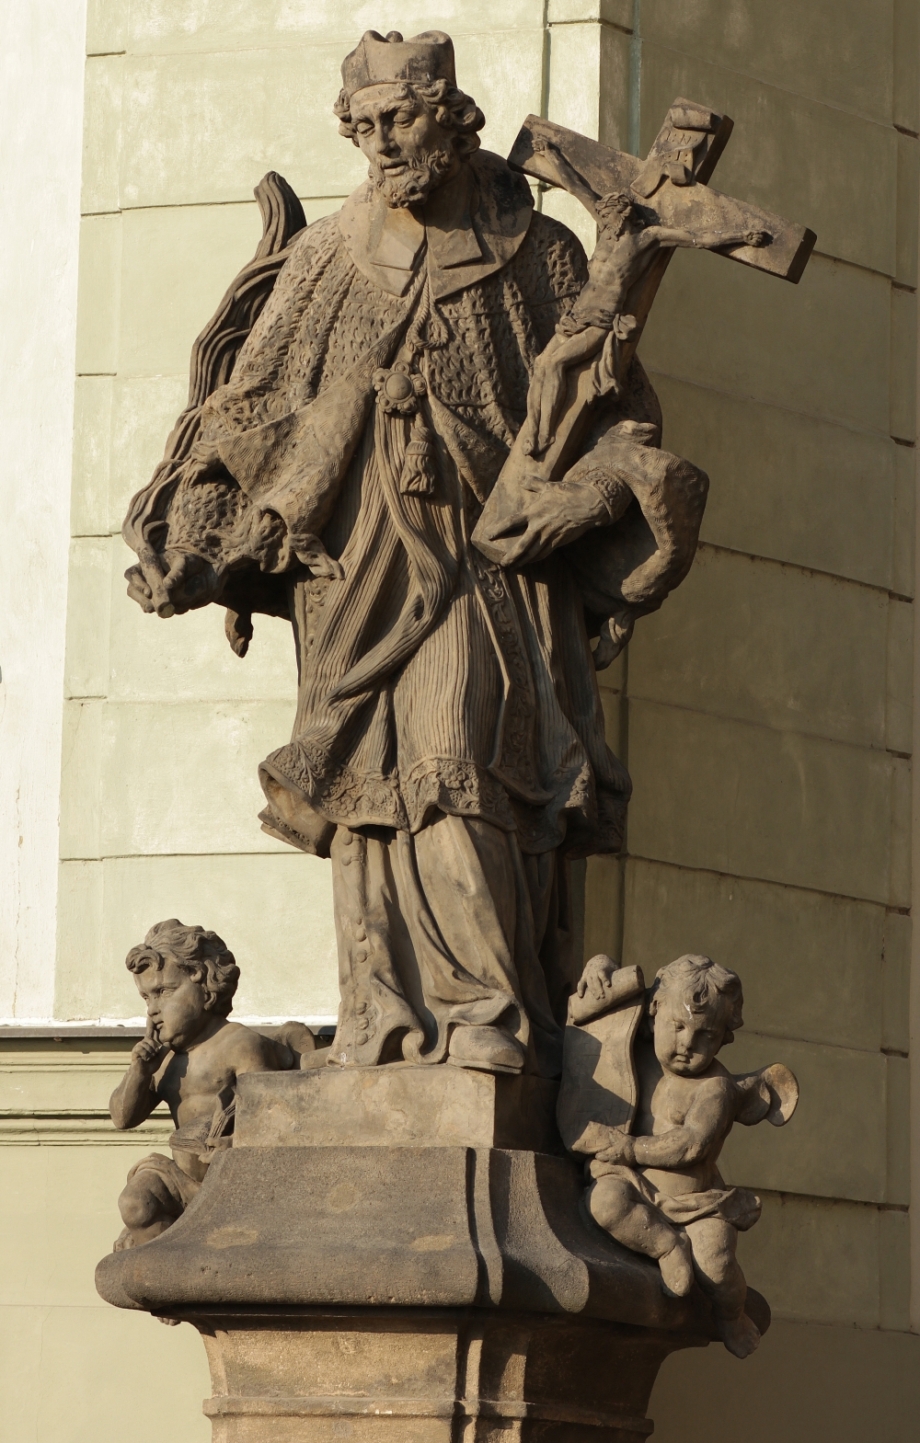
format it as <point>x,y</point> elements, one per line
<point>670,185</point>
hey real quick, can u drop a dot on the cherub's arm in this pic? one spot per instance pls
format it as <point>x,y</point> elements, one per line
<point>136,1095</point>
<point>708,1119</point>
<point>254,1053</point>
<point>664,235</point>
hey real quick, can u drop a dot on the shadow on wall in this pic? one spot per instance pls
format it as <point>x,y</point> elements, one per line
<point>806,1382</point>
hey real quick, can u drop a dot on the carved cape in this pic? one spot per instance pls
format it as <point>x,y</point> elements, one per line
<point>430,679</point>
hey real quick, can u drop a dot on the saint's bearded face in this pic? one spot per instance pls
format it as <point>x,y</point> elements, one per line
<point>410,153</point>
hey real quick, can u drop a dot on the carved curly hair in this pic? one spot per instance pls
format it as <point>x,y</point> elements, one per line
<point>707,983</point>
<point>453,110</point>
<point>202,954</point>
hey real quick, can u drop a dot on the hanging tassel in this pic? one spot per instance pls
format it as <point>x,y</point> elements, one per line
<point>418,473</point>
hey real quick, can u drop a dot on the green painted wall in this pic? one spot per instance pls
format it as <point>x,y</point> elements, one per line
<point>765,712</point>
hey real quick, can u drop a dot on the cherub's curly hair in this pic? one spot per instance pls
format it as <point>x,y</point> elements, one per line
<point>707,983</point>
<point>202,954</point>
<point>454,111</point>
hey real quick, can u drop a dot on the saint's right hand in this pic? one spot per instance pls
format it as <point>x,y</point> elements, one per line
<point>190,581</point>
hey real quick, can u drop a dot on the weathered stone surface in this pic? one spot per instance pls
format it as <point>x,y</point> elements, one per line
<point>192,1059</point>
<point>175,265</point>
<point>398,1106</point>
<point>296,814</point>
<point>99,295</point>
<point>216,25</point>
<point>744,800</point>
<point>411,1227</point>
<point>646,1099</point>
<point>754,659</point>
<point>778,42</point>
<point>160,749</point>
<point>824,349</point>
<point>396,1377</point>
<point>102,132</point>
<point>850,1383</point>
<point>442,684</point>
<point>756,455</point>
<point>840,158</point>
<point>846,1095</point>
<point>103,905</point>
<point>813,965</point>
<point>824,1255</point>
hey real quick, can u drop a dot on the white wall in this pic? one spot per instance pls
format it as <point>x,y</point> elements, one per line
<point>41,115</point>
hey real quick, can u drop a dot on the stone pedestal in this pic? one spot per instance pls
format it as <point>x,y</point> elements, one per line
<point>353,1280</point>
<point>429,1376</point>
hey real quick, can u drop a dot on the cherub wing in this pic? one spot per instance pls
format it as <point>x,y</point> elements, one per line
<point>598,1089</point>
<point>770,1094</point>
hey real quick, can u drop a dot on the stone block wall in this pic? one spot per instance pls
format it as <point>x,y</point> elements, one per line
<point>765,713</point>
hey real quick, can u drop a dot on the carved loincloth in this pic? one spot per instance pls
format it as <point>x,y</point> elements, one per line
<point>736,1205</point>
<point>181,1187</point>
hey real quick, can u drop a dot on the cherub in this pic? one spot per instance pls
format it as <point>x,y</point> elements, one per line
<point>654,1181</point>
<point>190,1058</point>
<point>627,248</point>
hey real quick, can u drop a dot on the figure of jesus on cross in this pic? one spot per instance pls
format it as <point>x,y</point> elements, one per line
<point>644,210</point>
<point>627,247</point>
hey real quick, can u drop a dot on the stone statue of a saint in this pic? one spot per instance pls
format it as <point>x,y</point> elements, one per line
<point>448,752</point>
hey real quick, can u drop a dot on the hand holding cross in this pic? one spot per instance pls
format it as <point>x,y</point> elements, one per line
<point>645,210</point>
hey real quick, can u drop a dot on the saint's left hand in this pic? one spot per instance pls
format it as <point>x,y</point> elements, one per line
<point>190,581</point>
<point>553,514</point>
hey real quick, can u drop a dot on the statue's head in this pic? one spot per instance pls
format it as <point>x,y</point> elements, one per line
<point>617,213</point>
<point>186,976</point>
<point>696,1008</point>
<point>400,104</point>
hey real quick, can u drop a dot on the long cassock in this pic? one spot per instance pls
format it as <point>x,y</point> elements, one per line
<point>448,750</point>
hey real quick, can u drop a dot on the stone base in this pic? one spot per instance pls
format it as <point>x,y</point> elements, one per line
<point>350,1282</point>
<point>400,1105</point>
<point>428,1376</point>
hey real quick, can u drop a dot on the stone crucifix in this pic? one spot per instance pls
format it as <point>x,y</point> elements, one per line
<point>645,209</point>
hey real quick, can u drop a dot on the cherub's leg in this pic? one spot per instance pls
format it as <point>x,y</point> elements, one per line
<point>147,1209</point>
<point>621,1211</point>
<point>713,1242</point>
